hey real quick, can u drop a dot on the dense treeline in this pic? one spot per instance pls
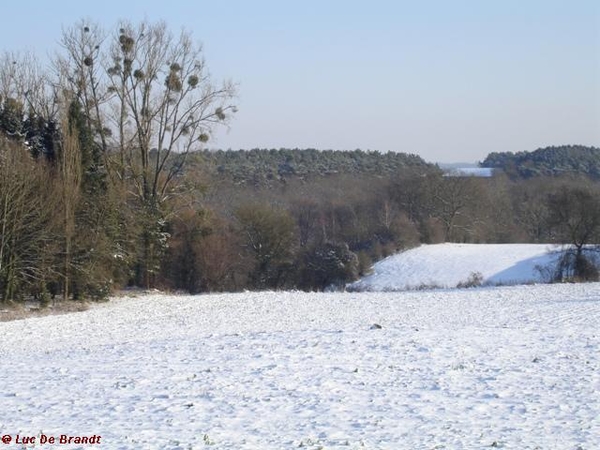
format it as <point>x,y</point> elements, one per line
<point>311,232</point>
<point>104,184</point>
<point>266,166</point>
<point>550,161</point>
<point>90,152</point>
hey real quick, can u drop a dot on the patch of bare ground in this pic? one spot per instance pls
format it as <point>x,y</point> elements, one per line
<point>19,311</point>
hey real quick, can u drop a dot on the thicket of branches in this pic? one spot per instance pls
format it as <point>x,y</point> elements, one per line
<point>322,230</point>
<point>98,140</point>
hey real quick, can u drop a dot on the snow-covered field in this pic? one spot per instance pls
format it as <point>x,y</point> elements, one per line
<point>509,367</point>
<point>446,265</point>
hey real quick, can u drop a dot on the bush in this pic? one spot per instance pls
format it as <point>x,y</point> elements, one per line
<point>329,264</point>
<point>575,266</point>
<point>474,280</point>
<point>365,264</point>
<point>585,269</point>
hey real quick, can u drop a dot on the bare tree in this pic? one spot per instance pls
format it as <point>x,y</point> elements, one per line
<point>574,214</point>
<point>306,213</point>
<point>451,197</point>
<point>530,207</point>
<point>79,72</point>
<point>27,204</point>
<point>70,177</point>
<point>24,81</point>
<point>269,235</point>
<point>167,103</point>
<point>149,99</point>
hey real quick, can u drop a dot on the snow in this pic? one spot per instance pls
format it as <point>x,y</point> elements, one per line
<point>507,367</point>
<point>482,172</point>
<point>447,265</point>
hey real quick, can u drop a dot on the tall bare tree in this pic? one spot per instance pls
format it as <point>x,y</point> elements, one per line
<point>80,73</point>
<point>70,177</point>
<point>149,99</point>
<point>166,100</point>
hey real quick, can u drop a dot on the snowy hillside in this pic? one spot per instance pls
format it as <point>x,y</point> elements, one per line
<point>511,367</point>
<point>446,265</point>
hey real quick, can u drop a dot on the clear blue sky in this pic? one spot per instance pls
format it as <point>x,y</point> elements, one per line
<point>450,80</point>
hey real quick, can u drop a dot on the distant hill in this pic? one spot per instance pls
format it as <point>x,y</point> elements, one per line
<point>263,166</point>
<point>549,161</point>
<point>448,265</point>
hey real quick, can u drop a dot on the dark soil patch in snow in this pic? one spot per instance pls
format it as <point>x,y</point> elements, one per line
<point>18,311</point>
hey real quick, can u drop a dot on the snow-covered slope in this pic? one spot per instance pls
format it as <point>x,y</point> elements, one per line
<point>446,265</point>
<point>510,367</point>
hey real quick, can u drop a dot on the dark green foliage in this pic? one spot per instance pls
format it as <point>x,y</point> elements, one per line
<point>97,255</point>
<point>550,161</point>
<point>11,118</point>
<point>40,135</point>
<point>330,264</point>
<point>181,267</point>
<point>152,244</point>
<point>262,167</point>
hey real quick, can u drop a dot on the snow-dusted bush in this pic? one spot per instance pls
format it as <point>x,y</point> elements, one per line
<point>329,264</point>
<point>475,279</point>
